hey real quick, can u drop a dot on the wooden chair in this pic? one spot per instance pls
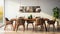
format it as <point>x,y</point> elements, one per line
<point>41,22</point>
<point>7,22</point>
<point>12,20</point>
<point>30,22</point>
<point>20,21</point>
<point>51,22</point>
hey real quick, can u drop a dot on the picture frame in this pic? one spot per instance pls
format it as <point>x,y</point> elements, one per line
<point>30,9</point>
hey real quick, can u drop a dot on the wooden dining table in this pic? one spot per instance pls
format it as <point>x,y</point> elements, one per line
<point>15,19</point>
<point>26,19</point>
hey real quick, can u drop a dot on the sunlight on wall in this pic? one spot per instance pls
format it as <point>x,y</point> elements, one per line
<point>1,10</point>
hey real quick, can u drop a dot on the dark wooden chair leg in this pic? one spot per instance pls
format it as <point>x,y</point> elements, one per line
<point>17,27</point>
<point>48,27</point>
<point>5,27</point>
<point>53,27</point>
<point>42,27</point>
<point>23,27</point>
<point>45,27</point>
<point>33,26</point>
<point>27,26</point>
<point>14,27</point>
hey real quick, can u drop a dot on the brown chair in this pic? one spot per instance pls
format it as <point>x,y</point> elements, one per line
<point>12,20</point>
<point>41,22</point>
<point>30,22</point>
<point>51,22</point>
<point>20,21</point>
<point>7,22</point>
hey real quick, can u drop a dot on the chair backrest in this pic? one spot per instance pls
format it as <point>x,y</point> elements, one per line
<point>11,21</point>
<point>40,21</point>
<point>6,19</point>
<point>51,21</point>
<point>20,20</point>
<point>37,17</point>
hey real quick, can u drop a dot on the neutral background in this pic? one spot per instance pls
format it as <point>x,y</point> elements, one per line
<point>12,7</point>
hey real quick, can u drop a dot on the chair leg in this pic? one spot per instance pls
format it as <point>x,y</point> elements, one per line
<point>27,26</point>
<point>17,27</point>
<point>42,27</point>
<point>14,27</point>
<point>23,27</point>
<point>5,27</point>
<point>33,26</point>
<point>48,27</point>
<point>58,25</point>
<point>45,27</point>
<point>53,27</point>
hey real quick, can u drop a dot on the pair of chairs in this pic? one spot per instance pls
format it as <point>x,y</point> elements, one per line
<point>21,21</point>
<point>41,21</point>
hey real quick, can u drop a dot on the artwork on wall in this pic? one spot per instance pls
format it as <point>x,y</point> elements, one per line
<point>30,9</point>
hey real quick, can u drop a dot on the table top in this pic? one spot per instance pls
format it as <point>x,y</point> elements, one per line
<point>30,19</point>
<point>14,19</point>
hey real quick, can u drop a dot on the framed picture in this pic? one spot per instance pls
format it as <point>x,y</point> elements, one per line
<point>30,9</point>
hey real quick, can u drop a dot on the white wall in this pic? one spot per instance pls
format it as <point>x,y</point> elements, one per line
<point>1,2</point>
<point>12,7</point>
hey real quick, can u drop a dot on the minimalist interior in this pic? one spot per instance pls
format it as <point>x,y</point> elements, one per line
<point>30,17</point>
